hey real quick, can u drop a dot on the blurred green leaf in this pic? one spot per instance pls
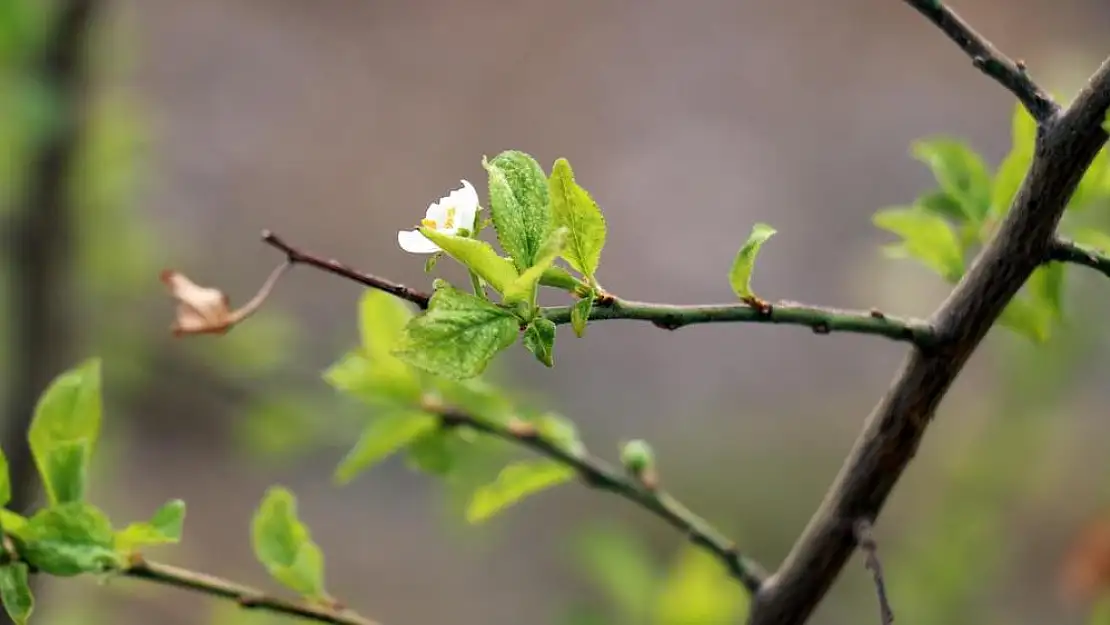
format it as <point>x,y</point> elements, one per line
<point>382,437</point>
<point>65,429</point>
<point>515,482</point>
<point>523,288</point>
<point>926,238</point>
<point>941,204</point>
<point>621,566</point>
<point>520,204</point>
<point>12,522</point>
<point>1030,319</point>
<point>574,209</point>
<point>435,453</point>
<point>1008,178</point>
<point>164,527</point>
<point>262,346</point>
<point>15,592</point>
<point>69,539</point>
<point>283,545</point>
<point>561,431</point>
<point>1046,286</point>
<point>539,338</point>
<point>478,256</point>
<point>1093,186</point>
<point>742,267</point>
<point>5,480</point>
<point>458,335</point>
<point>1092,238</point>
<point>699,590</point>
<point>961,173</point>
<point>580,314</point>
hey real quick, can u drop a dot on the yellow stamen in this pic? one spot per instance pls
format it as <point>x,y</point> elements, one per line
<point>450,218</point>
<point>429,223</point>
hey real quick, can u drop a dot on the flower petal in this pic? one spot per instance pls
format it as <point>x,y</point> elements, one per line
<point>465,201</point>
<point>415,243</point>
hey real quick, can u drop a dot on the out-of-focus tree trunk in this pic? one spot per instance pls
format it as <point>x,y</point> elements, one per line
<point>42,330</point>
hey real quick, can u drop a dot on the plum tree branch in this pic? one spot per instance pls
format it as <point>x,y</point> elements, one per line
<point>668,316</point>
<point>1066,146</point>
<point>598,474</point>
<point>1064,251</point>
<point>1009,73</point>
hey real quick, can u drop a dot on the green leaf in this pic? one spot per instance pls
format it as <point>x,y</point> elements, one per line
<point>381,319</point>
<point>1046,285</point>
<point>435,453</point>
<point>1011,173</point>
<point>458,335</point>
<point>560,278</point>
<point>1033,320</point>
<point>382,437</point>
<point>523,288</point>
<point>580,314</point>
<point>515,482</point>
<point>539,338</point>
<point>574,209</point>
<point>560,431</point>
<point>926,238</point>
<point>69,539</point>
<point>741,275</point>
<point>699,590</point>
<point>164,527</point>
<point>284,546</point>
<point>64,431</point>
<point>478,256</point>
<point>961,173</point>
<point>622,566</point>
<point>1092,186</point>
<point>12,522</point>
<point>15,592</point>
<point>5,480</point>
<point>520,205</point>
<point>942,205</point>
<point>355,375</point>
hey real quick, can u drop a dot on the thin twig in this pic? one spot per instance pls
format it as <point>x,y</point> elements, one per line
<point>1009,73</point>
<point>871,554</point>
<point>298,256</point>
<point>598,474</point>
<point>819,319</point>
<point>245,596</point>
<point>894,430</point>
<point>1064,251</point>
<point>668,316</point>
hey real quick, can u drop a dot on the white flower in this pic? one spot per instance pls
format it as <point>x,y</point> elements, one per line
<point>448,215</point>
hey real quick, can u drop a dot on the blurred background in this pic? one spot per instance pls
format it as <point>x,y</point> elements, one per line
<point>141,135</point>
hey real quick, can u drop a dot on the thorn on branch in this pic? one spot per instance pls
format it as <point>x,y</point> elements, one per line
<point>870,548</point>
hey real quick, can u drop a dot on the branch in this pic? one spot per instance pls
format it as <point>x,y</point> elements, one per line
<point>297,256</point>
<point>1063,251</point>
<point>871,549</point>
<point>245,596</point>
<point>820,320</point>
<point>1009,73</point>
<point>667,316</point>
<point>597,474</point>
<point>1065,149</point>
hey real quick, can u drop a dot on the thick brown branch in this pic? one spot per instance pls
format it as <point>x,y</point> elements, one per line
<point>1009,73</point>
<point>894,430</point>
<point>299,256</point>
<point>1070,252</point>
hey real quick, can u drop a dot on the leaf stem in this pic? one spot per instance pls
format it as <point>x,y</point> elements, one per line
<point>819,319</point>
<point>476,282</point>
<point>1064,251</point>
<point>600,475</point>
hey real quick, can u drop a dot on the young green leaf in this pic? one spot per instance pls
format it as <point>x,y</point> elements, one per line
<point>382,437</point>
<point>15,592</point>
<point>381,319</point>
<point>478,256</point>
<point>926,238</point>
<point>1030,319</point>
<point>961,173</point>
<point>520,204</point>
<point>741,275</point>
<point>698,589</point>
<point>12,522</point>
<point>436,452</point>
<point>515,482</point>
<point>69,539</point>
<point>942,205</point>
<point>458,335</point>
<point>1008,178</point>
<point>284,546</point>
<point>523,289</point>
<point>559,278</point>
<point>561,431</point>
<point>1093,185</point>
<point>1046,286</point>
<point>618,563</point>
<point>539,338</point>
<point>580,314</point>
<point>574,209</point>
<point>64,431</point>
<point>164,527</point>
<point>1091,237</point>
